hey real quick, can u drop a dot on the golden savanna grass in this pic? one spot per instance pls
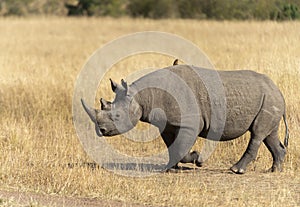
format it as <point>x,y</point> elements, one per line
<point>40,59</point>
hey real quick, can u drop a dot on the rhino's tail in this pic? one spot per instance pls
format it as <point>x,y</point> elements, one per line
<point>286,138</point>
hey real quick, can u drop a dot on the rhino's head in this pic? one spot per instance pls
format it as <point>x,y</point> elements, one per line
<point>115,117</point>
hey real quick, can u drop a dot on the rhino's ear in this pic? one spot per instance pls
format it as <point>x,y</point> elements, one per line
<point>124,84</point>
<point>105,105</point>
<point>116,87</point>
<point>175,62</point>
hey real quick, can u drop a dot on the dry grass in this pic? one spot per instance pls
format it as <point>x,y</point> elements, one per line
<point>40,152</point>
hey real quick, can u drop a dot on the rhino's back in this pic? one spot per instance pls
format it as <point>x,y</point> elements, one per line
<point>246,92</point>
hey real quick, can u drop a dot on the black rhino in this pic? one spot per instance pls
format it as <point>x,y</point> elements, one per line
<point>253,103</point>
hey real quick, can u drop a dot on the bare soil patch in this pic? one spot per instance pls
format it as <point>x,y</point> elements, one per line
<point>15,198</point>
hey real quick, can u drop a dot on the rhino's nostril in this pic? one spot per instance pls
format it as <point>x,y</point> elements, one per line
<point>102,129</point>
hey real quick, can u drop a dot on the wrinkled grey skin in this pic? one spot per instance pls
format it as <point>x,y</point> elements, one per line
<point>253,103</point>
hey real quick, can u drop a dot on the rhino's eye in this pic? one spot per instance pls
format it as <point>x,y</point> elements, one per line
<point>114,116</point>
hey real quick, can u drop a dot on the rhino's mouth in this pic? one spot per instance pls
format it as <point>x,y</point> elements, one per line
<point>98,131</point>
<point>105,132</point>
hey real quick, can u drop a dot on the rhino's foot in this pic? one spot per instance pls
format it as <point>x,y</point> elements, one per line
<point>174,169</point>
<point>199,161</point>
<point>193,157</point>
<point>275,168</point>
<point>238,170</point>
<point>198,164</point>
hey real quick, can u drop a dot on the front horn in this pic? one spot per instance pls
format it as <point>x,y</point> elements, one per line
<point>92,114</point>
<point>90,111</point>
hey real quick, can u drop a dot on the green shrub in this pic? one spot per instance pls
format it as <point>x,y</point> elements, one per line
<point>97,8</point>
<point>31,7</point>
<point>16,7</point>
<point>193,9</point>
<point>152,8</point>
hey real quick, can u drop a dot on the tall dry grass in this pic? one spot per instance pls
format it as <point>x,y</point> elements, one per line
<point>40,152</point>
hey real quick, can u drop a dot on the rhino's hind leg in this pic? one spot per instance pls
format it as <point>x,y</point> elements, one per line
<point>277,150</point>
<point>264,128</point>
<point>248,156</point>
<point>192,157</point>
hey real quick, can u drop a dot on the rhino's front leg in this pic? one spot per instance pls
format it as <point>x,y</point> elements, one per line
<point>179,148</point>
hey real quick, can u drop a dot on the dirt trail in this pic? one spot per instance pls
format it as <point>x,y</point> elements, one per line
<point>34,199</point>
